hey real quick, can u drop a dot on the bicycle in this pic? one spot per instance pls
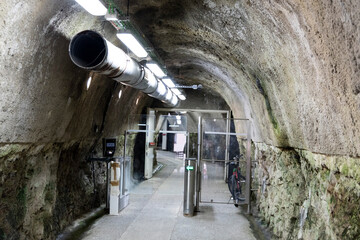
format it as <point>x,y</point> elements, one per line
<point>234,180</point>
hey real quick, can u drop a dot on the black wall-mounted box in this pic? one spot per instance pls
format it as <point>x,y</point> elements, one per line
<point>109,147</point>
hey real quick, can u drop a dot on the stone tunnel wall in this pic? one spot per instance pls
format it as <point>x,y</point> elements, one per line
<point>292,67</point>
<point>304,195</point>
<point>44,187</point>
<point>50,121</point>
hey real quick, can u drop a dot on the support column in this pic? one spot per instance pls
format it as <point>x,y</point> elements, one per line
<point>248,167</point>
<point>164,136</point>
<point>114,188</point>
<point>198,165</point>
<point>149,150</point>
<point>227,143</point>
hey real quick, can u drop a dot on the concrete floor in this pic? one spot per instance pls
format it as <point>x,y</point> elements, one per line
<point>156,212</point>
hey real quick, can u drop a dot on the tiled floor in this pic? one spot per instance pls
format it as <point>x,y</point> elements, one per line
<point>156,212</point>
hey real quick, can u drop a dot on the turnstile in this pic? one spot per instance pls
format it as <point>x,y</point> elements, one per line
<point>189,186</point>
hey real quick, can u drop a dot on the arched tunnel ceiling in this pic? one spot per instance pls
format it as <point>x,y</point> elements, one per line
<point>292,67</point>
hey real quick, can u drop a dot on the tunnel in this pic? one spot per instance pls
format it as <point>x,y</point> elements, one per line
<point>289,69</point>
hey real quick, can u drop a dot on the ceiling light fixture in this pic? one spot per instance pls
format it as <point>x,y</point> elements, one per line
<point>182,97</point>
<point>129,36</point>
<point>162,88</point>
<point>168,82</point>
<point>130,41</point>
<point>88,83</point>
<point>156,70</point>
<point>111,16</point>
<point>178,119</point>
<point>176,91</point>
<point>94,7</point>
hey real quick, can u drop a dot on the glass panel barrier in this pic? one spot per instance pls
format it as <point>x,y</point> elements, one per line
<point>223,154</point>
<point>163,137</point>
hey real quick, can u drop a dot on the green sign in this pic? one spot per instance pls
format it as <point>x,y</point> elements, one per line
<point>189,168</point>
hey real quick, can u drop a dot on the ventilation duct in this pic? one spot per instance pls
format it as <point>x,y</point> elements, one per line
<point>89,50</point>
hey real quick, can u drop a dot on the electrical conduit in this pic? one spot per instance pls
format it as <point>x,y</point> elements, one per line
<point>90,51</point>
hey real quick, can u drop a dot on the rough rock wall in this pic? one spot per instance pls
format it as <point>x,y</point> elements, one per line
<point>43,188</point>
<point>303,195</point>
<point>291,67</point>
<point>50,120</point>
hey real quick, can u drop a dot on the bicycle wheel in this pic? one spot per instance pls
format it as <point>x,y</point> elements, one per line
<point>234,189</point>
<point>237,192</point>
<point>229,184</point>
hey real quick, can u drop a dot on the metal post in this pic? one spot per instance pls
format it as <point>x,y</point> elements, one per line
<point>149,151</point>
<point>248,167</point>
<point>198,171</point>
<point>124,159</point>
<point>121,185</point>
<point>107,186</point>
<point>187,144</point>
<point>189,186</point>
<point>227,140</point>
<point>127,159</point>
<point>164,137</point>
<point>115,188</point>
<point>125,143</point>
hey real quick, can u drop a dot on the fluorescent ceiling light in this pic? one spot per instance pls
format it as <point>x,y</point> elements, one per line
<point>174,101</point>
<point>168,82</point>
<point>94,7</point>
<point>169,95</point>
<point>130,41</point>
<point>182,97</point>
<point>111,16</point>
<point>161,88</point>
<point>88,82</point>
<point>176,91</point>
<point>156,70</point>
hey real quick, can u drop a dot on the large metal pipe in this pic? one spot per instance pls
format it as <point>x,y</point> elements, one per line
<point>89,50</point>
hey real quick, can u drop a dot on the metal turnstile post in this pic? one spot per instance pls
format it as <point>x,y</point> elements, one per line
<point>189,186</point>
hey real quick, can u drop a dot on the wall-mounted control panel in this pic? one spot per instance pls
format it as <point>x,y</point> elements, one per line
<point>109,147</point>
